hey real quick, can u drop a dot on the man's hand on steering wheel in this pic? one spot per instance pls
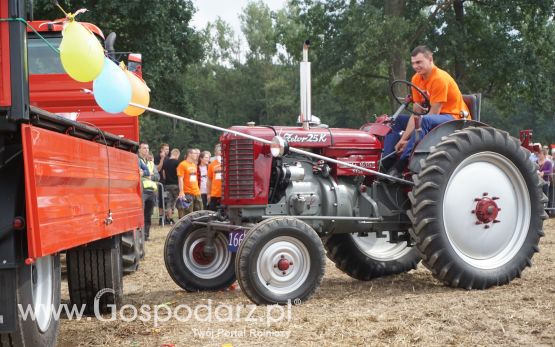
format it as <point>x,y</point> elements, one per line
<point>407,100</point>
<point>420,109</point>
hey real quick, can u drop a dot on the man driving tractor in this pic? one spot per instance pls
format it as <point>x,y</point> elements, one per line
<point>445,104</point>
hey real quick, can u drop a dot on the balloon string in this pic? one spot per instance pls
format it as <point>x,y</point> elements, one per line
<point>33,29</point>
<point>68,15</point>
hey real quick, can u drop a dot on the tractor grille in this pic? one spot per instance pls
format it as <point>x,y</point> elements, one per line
<point>239,170</point>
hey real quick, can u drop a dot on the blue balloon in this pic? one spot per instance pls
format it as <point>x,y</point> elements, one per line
<point>112,89</point>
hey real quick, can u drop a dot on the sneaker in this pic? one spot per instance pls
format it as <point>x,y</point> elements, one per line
<point>172,222</point>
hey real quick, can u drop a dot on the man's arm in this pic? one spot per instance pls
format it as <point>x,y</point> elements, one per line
<point>435,108</point>
<point>180,183</point>
<point>400,146</point>
<point>161,162</point>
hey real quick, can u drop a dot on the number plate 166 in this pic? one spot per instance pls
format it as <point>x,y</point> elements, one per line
<point>235,239</point>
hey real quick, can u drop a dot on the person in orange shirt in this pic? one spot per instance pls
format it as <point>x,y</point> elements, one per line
<point>446,103</point>
<point>188,183</point>
<point>214,184</point>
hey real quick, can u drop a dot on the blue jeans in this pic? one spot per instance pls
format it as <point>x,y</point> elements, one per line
<point>427,123</point>
<point>394,136</point>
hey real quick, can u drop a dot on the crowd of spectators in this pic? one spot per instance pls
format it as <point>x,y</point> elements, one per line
<point>544,160</point>
<point>190,184</point>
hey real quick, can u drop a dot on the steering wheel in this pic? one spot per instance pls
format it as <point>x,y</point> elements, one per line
<point>407,100</point>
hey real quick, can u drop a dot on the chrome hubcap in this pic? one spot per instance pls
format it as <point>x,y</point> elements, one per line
<point>283,265</point>
<point>486,210</point>
<point>202,265</point>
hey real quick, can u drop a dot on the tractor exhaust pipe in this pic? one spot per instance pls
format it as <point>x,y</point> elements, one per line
<point>306,112</point>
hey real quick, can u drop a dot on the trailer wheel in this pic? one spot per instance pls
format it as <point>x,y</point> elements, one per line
<point>130,251</point>
<point>186,262</point>
<point>38,291</point>
<point>281,259</point>
<point>477,209</point>
<point>95,276</point>
<point>368,257</point>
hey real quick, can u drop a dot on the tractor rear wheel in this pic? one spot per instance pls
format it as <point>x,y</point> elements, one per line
<point>280,260</point>
<point>187,263</point>
<point>477,209</point>
<point>368,257</point>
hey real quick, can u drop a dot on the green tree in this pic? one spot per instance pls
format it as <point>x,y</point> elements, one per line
<point>160,31</point>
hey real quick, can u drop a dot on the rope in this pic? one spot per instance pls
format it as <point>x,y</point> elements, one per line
<point>56,50</point>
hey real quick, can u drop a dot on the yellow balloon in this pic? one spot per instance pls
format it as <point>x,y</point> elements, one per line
<point>139,95</point>
<point>81,53</point>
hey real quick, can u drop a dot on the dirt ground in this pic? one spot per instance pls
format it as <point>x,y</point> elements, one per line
<point>408,309</point>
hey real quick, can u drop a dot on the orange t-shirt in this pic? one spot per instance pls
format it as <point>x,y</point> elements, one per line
<point>440,88</point>
<point>188,173</point>
<point>215,176</point>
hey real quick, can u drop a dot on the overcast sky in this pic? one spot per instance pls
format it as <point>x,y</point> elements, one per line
<point>228,10</point>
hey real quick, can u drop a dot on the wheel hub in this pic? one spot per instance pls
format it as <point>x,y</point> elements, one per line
<point>203,264</point>
<point>200,256</point>
<point>486,210</point>
<point>499,245</point>
<point>283,264</point>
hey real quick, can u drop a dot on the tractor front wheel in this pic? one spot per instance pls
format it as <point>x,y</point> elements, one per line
<point>280,260</point>
<point>187,261</point>
<point>477,209</point>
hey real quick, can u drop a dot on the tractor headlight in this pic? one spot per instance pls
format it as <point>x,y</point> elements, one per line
<point>279,147</point>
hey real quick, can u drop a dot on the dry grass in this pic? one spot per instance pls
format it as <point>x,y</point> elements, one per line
<point>409,309</point>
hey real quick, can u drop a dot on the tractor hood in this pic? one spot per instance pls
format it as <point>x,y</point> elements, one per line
<point>317,137</point>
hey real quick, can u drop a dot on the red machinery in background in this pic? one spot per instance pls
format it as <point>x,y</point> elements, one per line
<point>67,186</point>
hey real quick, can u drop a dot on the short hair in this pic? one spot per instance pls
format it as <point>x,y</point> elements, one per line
<point>218,147</point>
<point>175,151</point>
<point>164,145</point>
<point>422,49</point>
<point>190,151</point>
<point>143,143</point>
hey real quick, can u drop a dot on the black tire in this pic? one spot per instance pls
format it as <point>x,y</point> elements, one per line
<point>43,331</point>
<point>477,209</point>
<point>368,257</point>
<point>95,273</point>
<point>297,240</point>
<point>190,270</point>
<point>130,252</point>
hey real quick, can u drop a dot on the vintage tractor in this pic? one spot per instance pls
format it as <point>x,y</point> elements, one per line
<point>471,211</point>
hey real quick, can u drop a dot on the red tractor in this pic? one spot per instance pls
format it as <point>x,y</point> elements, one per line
<point>471,211</point>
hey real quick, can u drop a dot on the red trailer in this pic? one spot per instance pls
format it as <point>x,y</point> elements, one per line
<point>66,187</point>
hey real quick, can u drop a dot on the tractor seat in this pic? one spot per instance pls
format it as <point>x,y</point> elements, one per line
<point>474,104</point>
